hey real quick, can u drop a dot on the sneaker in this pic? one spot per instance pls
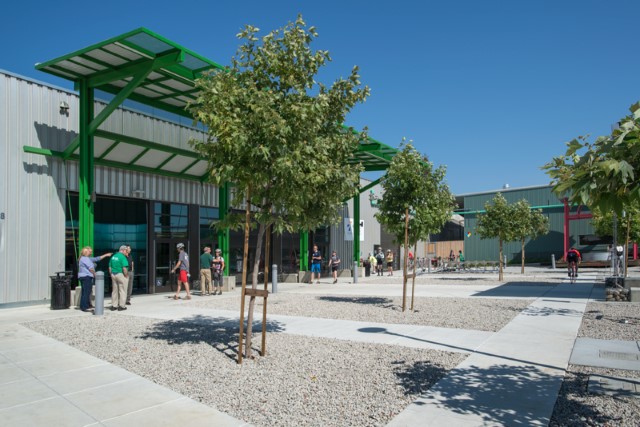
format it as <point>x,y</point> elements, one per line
<point>122,308</point>
<point>335,281</point>
<point>112,308</point>
<point>128,302</point>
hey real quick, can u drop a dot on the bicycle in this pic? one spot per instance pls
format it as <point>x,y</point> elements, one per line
<point>573,271</point>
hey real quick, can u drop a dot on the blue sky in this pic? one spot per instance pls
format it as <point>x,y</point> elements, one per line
<point>491,89</point>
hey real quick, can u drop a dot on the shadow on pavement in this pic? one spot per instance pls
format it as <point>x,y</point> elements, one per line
<point>219,332</point>
<point>418,377</point>
<point>378,301</point>
<point>504,395</point>
<point>517,290</point>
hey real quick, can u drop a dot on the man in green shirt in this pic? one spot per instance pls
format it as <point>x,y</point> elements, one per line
<point>118,268</point>
<point>205,271</point>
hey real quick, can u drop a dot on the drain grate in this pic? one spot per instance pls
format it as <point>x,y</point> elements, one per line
<point>619,355</point>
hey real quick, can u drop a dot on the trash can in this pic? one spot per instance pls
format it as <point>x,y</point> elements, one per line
<point>367,268</point>
<point>61,290</point>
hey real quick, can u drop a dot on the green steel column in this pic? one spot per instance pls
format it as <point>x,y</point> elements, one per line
<point>85,172</point>
<point>224,235</point>
<point>304,250</point>
<point>356,228</point>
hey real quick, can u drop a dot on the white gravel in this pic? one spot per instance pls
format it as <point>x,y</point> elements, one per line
<point>460,313</point>
<point>303,381</point>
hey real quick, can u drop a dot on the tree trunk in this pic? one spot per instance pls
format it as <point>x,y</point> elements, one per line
<point>406,252</point>
<point>413,284</point>
<point>500,276</point>
<point>247,223</point>
<point>254,285</point>
<point>522,269</point>
<point>626,246</point>
<point>267,252</point>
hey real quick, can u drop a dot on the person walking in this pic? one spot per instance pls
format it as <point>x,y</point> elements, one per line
<point>205,271</point>
<point>316,260</point>
<point>118,269</point>
<point>130,279</point>
<point>380,262</point>
<point>182,266</point>
<point>87,274</point>
<point>389,260</point>
<point>334,263</point>
<point>217,267</point>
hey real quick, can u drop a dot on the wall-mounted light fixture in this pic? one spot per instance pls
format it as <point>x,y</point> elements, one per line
<point>64,108</point>
<point>138,193</point>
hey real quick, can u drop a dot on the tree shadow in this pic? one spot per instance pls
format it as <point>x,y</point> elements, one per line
<point>517,289</point>
<point>418,377</point>
<point>502,395</point>
<point>218,332</point>
<point>377,301</point>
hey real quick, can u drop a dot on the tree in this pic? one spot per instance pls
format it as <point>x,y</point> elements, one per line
<point>529,223</point>
<point>603,175</point>
<point>499,221</point>
<point>416,201</point>
<point>628,225</point>
<point>276,134</point>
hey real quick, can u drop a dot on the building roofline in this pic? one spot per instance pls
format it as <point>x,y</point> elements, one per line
<point>503,190</point>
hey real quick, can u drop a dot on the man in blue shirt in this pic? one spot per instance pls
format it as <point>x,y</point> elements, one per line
<point>316,260</point>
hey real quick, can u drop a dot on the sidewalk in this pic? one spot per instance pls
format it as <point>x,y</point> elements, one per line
<point>511,377</point>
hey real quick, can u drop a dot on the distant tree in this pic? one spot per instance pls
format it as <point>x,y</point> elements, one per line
<point>276,134</point>
<point>529,223</point>
<point>628,226</point>
<point>499,221</point>
<point>416,200</point>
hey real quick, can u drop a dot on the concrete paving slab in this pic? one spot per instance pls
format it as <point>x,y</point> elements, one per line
<point>614,386</point>
<point>613,354</point>
<point>76,380</point>
<point>23,392</point>
<point>53,412</point>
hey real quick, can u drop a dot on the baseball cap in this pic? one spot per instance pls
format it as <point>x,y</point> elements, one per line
<point>180,246</point>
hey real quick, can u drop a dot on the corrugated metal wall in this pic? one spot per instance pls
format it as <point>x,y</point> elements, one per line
<point>32,194</point>
<point>540,249</point>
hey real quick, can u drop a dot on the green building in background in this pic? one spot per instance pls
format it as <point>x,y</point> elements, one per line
<point>580,231</point>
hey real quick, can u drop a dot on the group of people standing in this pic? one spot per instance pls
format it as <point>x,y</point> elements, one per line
<point>211,268</point>
<point>380,260</point>
<point>121,272</point>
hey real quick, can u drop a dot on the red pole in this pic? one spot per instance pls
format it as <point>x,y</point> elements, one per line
<point>566,227</point>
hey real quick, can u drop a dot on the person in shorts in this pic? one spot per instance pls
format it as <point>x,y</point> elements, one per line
<point>182,266</point>
<point>334,263</point>
<point>389,259</point>
<point>217,270</point>
<point>316,261</point>
<point>380,262</point>
<point>573,256</point>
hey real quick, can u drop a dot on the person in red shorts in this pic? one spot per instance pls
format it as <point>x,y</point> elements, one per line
<point>183,271</point>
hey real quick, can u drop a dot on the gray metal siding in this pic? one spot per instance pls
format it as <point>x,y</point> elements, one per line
<point>33,190</point>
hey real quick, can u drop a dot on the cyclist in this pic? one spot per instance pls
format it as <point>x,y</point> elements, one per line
<point>573,258</point>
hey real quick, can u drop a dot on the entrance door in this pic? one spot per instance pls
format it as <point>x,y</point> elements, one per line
<point>166,259</point>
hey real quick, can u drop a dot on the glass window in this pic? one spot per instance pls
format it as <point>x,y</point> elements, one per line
<point>207,232</point>
<point>170,220</point>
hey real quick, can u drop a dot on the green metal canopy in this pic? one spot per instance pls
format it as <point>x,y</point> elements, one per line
<point>169,69</point>
<point>145,67</point>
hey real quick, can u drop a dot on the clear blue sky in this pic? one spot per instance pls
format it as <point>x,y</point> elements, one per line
<point>491,89</point>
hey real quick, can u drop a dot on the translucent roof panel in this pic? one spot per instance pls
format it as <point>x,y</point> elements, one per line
<point>171,69</point>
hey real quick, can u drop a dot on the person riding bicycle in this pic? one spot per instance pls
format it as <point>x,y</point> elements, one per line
<point>573,257</point>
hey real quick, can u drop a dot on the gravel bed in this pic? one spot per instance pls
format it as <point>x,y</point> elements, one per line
<point>611,321</point>
<point>303,381</point>
<point>460,313</point>
<point>577,407</point>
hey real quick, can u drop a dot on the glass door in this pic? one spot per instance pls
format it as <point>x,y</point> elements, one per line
<point>166,259</point>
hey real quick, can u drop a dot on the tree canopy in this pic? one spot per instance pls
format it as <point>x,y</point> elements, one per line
<point>276,134</point>
<point>412,183</point>
<point>499,221</point>
<point>605,174</point>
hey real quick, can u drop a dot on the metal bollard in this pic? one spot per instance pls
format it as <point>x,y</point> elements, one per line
<point>274,278</point>
<point>99,310</point>
<point>428,265</point>
<point>504,261</point>
<point>553,261</point>
<point>355,271</point>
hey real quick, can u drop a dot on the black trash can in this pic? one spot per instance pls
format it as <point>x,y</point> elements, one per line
<point>61,290</point>
<point>367,268</point>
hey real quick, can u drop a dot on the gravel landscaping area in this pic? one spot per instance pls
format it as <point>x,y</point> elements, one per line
<point>303,381</point>
<point>460,313</point>
<point>576,406</point>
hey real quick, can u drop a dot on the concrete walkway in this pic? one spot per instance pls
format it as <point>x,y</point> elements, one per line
<point>511,377</point>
